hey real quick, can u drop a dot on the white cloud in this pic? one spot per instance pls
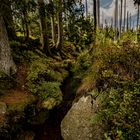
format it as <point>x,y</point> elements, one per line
<point>108,13</point>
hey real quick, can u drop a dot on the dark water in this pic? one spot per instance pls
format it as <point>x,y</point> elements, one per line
<point>50,130</point>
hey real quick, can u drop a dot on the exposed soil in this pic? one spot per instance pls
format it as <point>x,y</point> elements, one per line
<point>14,96</point>
<point>19,93</point>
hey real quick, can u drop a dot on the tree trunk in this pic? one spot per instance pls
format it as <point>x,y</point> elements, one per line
<point>86,8</point>
<point>60,26</point>
<point>8,19</point>
<point>130,21</point>
<point>127,25</point>
<point>124,14</point>
<point>53,30</point>
<point>121,16</point>
<point>53,23</point>
<point>95,18</point>
<point>116,14</point>
<point>116,19</point>
<point>44,35</point>
<point>98,13</point>
<point>138,16</point>
<point>25,16</point>
<point>6,62</point>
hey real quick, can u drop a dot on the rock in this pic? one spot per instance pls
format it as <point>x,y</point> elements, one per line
<point>3,108</point>
<point>77,124</point>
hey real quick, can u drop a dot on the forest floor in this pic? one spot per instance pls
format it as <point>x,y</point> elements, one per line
<point>17,98</point>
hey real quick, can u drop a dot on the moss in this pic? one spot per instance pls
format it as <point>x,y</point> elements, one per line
<point>49,89</point>
<point>44,79</point>
<point>49,103</point>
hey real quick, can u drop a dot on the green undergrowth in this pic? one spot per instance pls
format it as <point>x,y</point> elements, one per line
<point>45,74</point>
<point>44,79</point>
<point>82,63</point>
<point>115,73</point>
<point>112,73</point>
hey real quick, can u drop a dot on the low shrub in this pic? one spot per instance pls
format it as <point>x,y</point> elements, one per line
<point>114,73</point>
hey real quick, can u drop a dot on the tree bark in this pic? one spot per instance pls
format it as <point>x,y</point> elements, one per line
<point>127,25</point>
<point>7,65</point>
<point>44,35</point>
<point>138,16</point>
<point>6,12</point>
<point>116,19</point>
<point>124,14</point>
<point>130,21</point>
<point>121,16</point>
<point>98,13</point>
<point>86,8</point>
<point>95,18</point>
<point>116,14</point>
<point>25,15</point>
<point>60,26</point>
<point>8,19</point>
<point>53,23</point>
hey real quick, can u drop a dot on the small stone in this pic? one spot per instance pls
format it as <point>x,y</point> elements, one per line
<point>3,108</point>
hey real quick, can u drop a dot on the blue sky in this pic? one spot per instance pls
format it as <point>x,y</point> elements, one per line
<point>106,3</point>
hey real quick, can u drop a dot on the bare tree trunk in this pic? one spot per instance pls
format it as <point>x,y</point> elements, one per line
<point>116,19</point>
<point>7,65</point>
<point>95,18</point>
<point>138,16</point>
<point>98,13</point>
<point>111,22</point>
<point>133,25</point>
<point>130,21</point>
<point>60,26</point>
<point>121,16</point>
<point>116,14</point>
<point>86,8</point>
<point>53,24</point>
<point>43,21</point>
<point>124,14</point>
<point>127,25</point>
<point>53,30</point>
<point>25,16</point>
